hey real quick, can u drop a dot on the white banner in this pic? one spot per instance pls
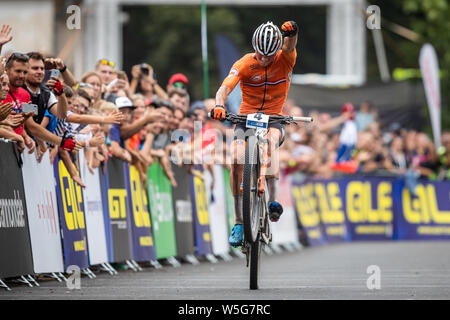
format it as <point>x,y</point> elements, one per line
<point>40,195</point>
<point>217,211</point>
<point>430,77</point>
<point>285,230</point>
<point>95,226</point>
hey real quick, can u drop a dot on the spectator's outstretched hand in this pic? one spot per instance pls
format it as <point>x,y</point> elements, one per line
<point>116,117</point>
<point>14,120</point>
<point>5,110</point>
<point>5,36</point>
<point>154,115</point>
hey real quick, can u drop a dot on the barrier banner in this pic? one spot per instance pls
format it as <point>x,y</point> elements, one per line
<point>200,211</point>
<point>217,211</point>
<point>184,224</point>
<point>71,215</point>
<point>328,197</point>
<point>369,207</point>
<point>104,187</point>
<point>40,195</point>
<point>142,237</point>
<point>161,211</point>
<point>95,226</point>
<point>425,214</point>
<point>229,201</point>
<point>307,212</point>
<point>285,230</point>
<point>118,210</point>
<point>15,245</point>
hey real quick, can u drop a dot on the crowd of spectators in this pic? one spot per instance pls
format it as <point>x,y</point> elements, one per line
<point>141,121</point>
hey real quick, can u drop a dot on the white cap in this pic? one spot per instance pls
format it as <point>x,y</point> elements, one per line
<point>124,102</point>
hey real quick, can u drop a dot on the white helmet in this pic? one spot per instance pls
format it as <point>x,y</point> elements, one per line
<point>267,39</point>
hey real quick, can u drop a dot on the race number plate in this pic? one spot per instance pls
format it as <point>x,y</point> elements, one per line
<point>257,121</point>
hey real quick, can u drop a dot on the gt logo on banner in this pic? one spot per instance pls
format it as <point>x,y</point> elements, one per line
<point>117,198</point>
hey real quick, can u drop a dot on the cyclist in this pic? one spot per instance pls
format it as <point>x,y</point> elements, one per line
<point>264,78</point>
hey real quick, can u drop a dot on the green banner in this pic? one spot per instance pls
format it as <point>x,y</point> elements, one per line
<point>161,210</point>
<point>229,201</point>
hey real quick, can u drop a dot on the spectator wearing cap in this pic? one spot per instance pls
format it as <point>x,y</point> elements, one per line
<point>178,80</point>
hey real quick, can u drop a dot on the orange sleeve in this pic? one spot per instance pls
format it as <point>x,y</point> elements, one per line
<point>234,76</point>
<point>289,58</point>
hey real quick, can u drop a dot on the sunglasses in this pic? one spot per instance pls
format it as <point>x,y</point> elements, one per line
<point>179,85</point>
<point>17,55</point>
<point>107,62</point>
<point>83,85</point>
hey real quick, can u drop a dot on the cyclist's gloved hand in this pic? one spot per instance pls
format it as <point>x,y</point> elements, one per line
<point>67,143</point>
<point>218,112</point>
<point>289,29</point>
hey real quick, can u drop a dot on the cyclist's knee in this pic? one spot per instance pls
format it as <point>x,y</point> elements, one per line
<point>237,150</point>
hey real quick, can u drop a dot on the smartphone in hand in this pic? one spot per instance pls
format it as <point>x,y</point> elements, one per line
<point>54,73</point>
<point>29,107</point>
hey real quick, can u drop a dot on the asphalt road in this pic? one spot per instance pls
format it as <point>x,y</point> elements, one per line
<point>408,270</point>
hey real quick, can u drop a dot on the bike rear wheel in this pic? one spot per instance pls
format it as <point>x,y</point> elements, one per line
<point>250,201</point>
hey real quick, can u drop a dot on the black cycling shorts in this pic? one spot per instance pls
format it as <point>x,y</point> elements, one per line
<point>241,131</point>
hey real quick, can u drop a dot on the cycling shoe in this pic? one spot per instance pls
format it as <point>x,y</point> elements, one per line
<point>236,236</point>
<point>275,211</point>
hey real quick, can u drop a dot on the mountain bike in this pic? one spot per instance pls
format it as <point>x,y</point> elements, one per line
<point>255,215</point>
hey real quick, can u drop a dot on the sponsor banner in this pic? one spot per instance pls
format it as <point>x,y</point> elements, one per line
<point>161,211</point>
<point>104,187</point>
<point>142,237</point>
<point>425,213</point>
<point>369,207</point>
<point>331,209</point>
<point>200,211</point>
<point>93,212</point>
<point>217,210</point>
<point>71,215</point>
<point>307,212</point>
<point>229,200</point>
<point>184,223</point>
<point>42,208</point>
<point>15,245</point>
<point>118,210</point>
<point>285,230</point>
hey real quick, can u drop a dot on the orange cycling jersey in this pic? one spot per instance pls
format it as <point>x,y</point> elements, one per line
<point>263,88</point>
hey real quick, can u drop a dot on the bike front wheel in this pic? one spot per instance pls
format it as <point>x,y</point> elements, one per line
<point>251,204</point>
<point>255,263</point>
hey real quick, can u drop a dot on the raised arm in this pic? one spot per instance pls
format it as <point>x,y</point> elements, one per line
<point>289,29</point>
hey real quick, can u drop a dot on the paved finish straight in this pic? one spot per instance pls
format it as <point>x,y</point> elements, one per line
<point>409,270</point>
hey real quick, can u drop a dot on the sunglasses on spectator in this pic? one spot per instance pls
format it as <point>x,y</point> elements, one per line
<point>17,55</point>
<point>107,62</point>
<point>179,85</point>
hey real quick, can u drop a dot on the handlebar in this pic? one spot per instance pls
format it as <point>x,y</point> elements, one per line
<point>242,118</point>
